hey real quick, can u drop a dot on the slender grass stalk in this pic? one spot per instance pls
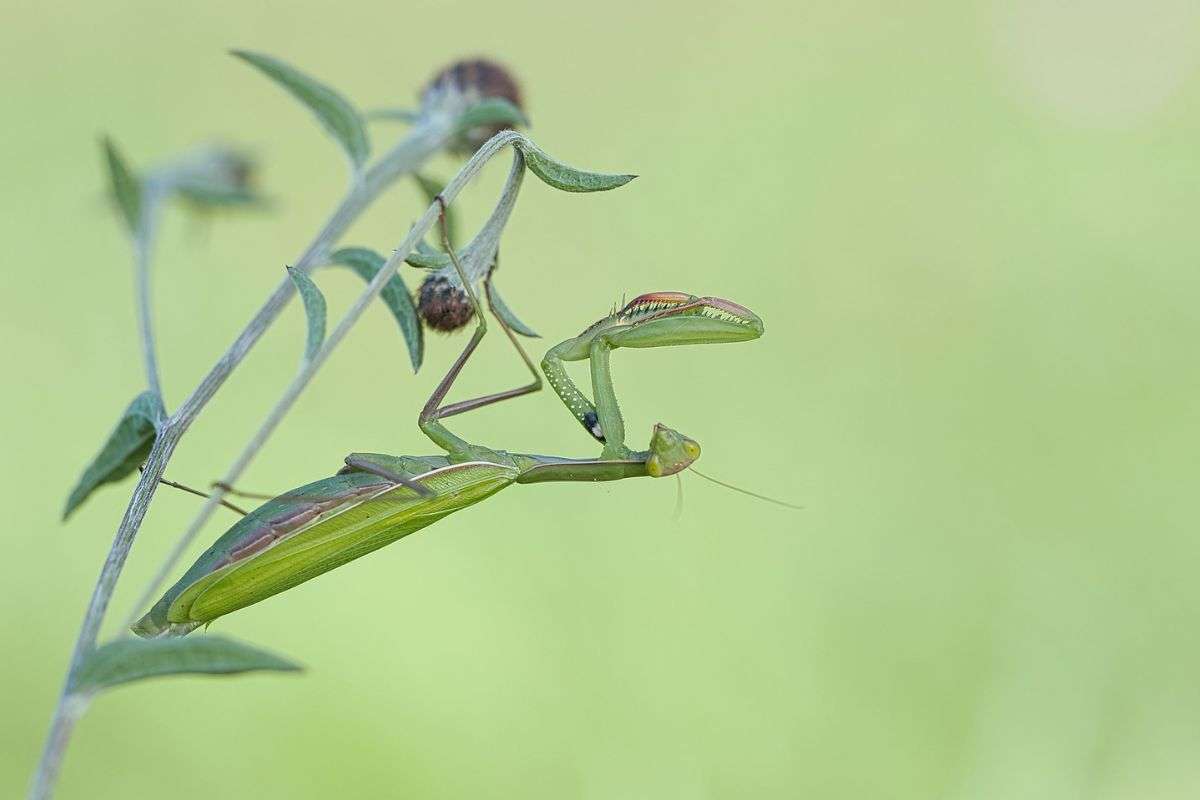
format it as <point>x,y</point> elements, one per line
<point>143,245</point>
<point>422,141</point>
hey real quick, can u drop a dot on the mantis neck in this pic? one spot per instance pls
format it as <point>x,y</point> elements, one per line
<point>553,469</point>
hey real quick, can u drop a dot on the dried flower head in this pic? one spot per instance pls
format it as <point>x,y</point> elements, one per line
<point>464,84</point>
<point>443,304</point>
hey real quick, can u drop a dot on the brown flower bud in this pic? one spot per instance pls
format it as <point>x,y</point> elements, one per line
<point>443,305</point>
<point>463,84</point>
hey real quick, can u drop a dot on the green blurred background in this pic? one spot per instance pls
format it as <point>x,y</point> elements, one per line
<point>971,231</point>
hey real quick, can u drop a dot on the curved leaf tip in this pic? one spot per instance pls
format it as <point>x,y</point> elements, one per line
<point>124,451</point>
<point>125,187</point>
<point>335,113</point>
<point>366,263</point>
<point>314,310</point>
<point>565,177</point>
<point>129,660</point>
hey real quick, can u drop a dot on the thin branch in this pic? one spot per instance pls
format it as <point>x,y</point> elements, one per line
<point>143,244</point>
<point>410,153</point>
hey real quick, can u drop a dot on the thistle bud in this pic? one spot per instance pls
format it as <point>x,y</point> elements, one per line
<point>464,84</point>
<point>443,304</point>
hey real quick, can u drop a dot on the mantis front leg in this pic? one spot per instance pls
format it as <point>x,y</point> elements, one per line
<point>658,319</point>
<point>602,419</point>
<point>433,412</point>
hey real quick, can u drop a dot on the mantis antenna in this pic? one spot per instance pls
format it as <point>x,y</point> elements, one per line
<point>739,489</point>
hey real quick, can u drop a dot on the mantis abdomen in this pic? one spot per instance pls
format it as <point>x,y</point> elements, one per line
<point>339,519</point>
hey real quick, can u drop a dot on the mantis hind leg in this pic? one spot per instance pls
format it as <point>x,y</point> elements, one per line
<point>433,412</point>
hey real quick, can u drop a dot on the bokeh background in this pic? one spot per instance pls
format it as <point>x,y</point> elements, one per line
<point>971,229</point>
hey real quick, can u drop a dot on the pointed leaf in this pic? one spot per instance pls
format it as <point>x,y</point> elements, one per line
<point>431,188</point>
<point>314,309</point>
<point>391,115</point>
<point>334,111</point>
<point>501,309</point>
<point>366,263</point>
<point>425,257</point>
<point>567,178</point>
<point>217,196</point>
<point>126,449</point>
<point>127,660</point>
<point>494,112</point>
<point>125,186</point>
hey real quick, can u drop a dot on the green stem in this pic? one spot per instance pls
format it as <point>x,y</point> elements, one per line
<point>405,157</point>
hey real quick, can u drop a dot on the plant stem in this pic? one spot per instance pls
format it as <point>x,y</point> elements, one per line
<point>143,244</point>
<point>411,152</point>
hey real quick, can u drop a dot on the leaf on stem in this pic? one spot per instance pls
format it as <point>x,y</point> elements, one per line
<point>128,660</point>
<point>216,196</point>
<point>366,263</point>
<point>564,177</point>
<point>425,257</point>
<point>494,112</point>
<point>126,188</point>
<point>124,451</point>
<point>391,115</point>
<point>314,310</point>
<point>335,113</point>
<point>501,309</point>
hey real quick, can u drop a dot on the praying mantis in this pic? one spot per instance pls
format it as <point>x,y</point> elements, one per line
<point>376,499</point>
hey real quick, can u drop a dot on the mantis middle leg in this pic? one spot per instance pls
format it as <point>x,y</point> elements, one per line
<point>433,412</point>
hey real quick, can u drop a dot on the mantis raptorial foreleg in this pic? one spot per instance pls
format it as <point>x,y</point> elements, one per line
<point>433,410</point>
<point>659,319</point>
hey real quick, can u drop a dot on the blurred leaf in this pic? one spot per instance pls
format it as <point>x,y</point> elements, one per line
<point>336,113</point>
<point>502,311</point>
<point>431,188</point>
<point>395,296</point>
<point>494,112</point>
<point>314,310</point>
<point>125,187</point>
<point>567,178</point>
<point>217,196</point>
<point>425,257</point>
<point>127,660</point>
<point>392,115</point>
<point>126,448</point>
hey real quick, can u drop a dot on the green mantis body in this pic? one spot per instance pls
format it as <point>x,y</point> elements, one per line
<point>377,499</point>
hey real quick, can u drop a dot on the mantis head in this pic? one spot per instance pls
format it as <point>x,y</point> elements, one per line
<point>664,319</point>
<point>670,452</point>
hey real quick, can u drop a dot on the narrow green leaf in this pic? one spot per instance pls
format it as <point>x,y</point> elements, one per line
<point>391,115</point>
<point>366,263</point>
<point>431,188</point>
<point>124,451</point>
<point>128,660</point>
<point>425,257</point>
<point>335,112</point>
<point>314,309</point>
<point>567,178</point>
<point>494,112</point>
<point>217,196</point>
<point>502,311</point>
<point>125,186</point>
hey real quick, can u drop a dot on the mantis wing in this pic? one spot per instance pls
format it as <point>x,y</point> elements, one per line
<point>336,538</point>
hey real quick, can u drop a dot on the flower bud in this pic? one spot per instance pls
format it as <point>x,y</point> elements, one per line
<point>462,85</point>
